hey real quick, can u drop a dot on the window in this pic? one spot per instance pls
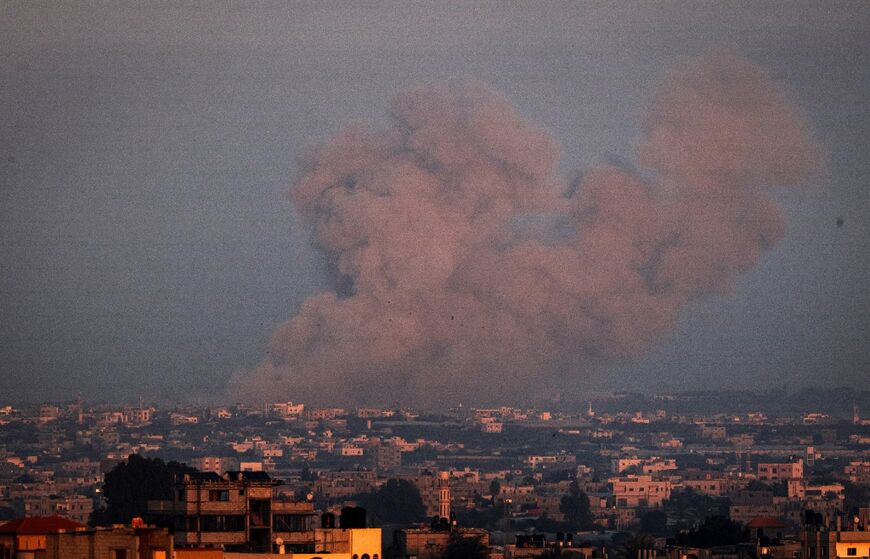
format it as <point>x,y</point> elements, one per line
<point>291,523</point>
<point>222,523</point>
<point>119,554</point>
<point>851,551</point>
<point>218,495</point>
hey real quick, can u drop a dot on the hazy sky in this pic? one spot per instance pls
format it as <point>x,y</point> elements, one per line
<point>148,245</point>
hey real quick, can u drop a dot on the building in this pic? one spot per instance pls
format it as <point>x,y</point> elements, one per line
<point>356,543</point>
<point>781,471</point>
<point>350,450</point>
<point>819,540</point>
<point>372,413</point>
<point>388,458</point>
<point>767,541</point>
<point>640,491</point>
<point>431,542</point>
<point>133,542</point>
<point>707,483</point>
<point>288,410</point>
<point>339,485</point>
<point>858,471</point>
<point>320,414</point>
<point>24,538</point>
<point>237,510</point>
<point>542,461</point>
<point>216,464</point>
<point>138,416</point>
<point>643,465</point>
<point>801,489</point>
<point>74,507</point>
<point>492,427</point>
<point>747,505</point>
<point>537,545</point>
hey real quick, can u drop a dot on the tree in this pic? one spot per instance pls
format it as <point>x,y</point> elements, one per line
<point>494,489</point>
<point>756,485</point>
<point>575,507</point>
<point>459,547</point>
<point>713,532</point>
<point>307,474</point>
<point>131,484</point>
<point>654,522</point>
<point>424,453</point>
<point>7,513</point>
<point>856,496</point>
<point>398,501</point>
<point>631,548</point>
<point>480,518</point>
<point>688,508</point>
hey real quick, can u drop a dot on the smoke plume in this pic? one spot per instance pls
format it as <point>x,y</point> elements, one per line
<point>473,271</point>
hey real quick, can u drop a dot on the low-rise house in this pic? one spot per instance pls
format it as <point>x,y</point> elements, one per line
<point>24,538</point>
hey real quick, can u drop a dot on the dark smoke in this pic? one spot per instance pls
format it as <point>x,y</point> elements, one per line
<point>473,271</point>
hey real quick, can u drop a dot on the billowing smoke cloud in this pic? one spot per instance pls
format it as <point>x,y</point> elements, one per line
<point>473,271</point>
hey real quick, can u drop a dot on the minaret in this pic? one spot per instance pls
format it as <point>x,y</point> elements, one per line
<point>444,495</point>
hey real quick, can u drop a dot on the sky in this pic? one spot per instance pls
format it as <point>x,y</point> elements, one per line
<point>149,245</point>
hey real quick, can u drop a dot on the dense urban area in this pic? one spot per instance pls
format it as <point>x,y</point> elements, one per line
<point>758,475</point>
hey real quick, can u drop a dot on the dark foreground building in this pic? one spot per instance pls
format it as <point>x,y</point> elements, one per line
<point>237,510</point>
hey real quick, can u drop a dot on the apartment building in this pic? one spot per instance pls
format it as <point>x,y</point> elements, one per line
<point>640,491</point>
<point>237,510</point>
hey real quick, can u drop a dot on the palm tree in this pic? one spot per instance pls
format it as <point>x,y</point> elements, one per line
<point>638,546</point>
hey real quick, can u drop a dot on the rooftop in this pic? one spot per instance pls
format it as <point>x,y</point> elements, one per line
<point>39,525</point>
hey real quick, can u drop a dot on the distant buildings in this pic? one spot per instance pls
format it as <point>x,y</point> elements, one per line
<point>627,462</point>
